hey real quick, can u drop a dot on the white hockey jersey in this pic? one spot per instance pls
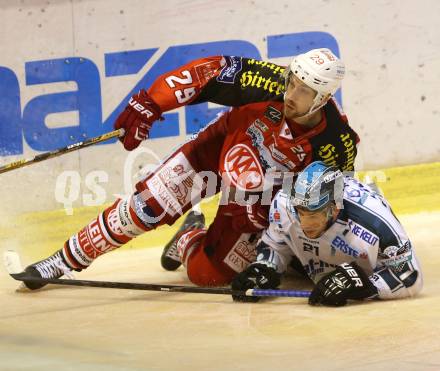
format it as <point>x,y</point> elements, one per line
<point>366,231</point>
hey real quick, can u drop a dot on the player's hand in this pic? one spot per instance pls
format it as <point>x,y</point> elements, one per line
<point>249,218</point>
<point>258,216</point>
<point>348,281</point>
<point>255,276</point>
<point>137,119</point>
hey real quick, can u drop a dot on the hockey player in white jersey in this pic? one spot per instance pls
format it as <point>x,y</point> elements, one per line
<point>345,236</point>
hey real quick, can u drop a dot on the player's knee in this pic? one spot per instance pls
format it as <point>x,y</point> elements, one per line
<point>148,211</point>
<point>206,275</point>
<point>200,269</point>
<point>123,220</point>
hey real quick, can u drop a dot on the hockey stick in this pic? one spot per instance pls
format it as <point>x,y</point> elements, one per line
<point>61,151</point>
<point>13,266</point>
<point>156,287</point>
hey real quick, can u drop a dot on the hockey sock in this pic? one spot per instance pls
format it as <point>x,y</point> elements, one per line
<point>188,242</point>
<point>114,227</point>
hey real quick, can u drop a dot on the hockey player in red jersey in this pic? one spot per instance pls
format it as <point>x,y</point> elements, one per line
<point>283,119</point>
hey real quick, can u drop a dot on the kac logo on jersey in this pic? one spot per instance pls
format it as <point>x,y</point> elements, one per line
<point>243,168</point>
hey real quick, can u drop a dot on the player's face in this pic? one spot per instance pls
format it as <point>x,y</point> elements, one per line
<point>298,99</point>
<point>313,223</point>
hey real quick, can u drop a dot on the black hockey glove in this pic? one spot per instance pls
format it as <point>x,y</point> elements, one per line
<point>348,281</point>
<point>255,276</point>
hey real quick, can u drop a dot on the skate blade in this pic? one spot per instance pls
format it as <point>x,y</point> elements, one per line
<point>12,263</point>
<point>23,288</point>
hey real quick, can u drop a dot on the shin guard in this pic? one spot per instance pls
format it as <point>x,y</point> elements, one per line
<point>114,227</point>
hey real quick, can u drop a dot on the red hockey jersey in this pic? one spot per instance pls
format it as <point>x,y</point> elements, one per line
<point>259,139</point>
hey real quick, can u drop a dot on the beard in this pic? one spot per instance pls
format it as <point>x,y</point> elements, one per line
<point>292,113</point>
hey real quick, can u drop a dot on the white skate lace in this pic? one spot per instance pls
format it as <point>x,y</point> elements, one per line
<point>53,267</point>
<point>172,252</point>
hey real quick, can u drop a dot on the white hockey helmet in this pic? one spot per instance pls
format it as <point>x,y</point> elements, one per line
<point>321,70</point>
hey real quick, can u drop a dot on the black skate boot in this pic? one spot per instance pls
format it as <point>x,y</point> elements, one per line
<point>52,267</point>
<point>170,260</point>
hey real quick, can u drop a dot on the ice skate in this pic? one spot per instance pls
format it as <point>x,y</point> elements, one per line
<point>52,267</point>
<point>170,259</point>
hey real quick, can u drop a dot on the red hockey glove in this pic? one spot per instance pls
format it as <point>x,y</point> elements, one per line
<point>258,216</point>
<point>137,119</point>
<point>249,218</point>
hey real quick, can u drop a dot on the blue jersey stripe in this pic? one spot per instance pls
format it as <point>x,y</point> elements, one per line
<point>392,282</point>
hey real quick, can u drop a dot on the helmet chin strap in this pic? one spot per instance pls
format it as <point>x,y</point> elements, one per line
<point>315,106</point>
<point>330,218</point>
<point>312,110</point>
